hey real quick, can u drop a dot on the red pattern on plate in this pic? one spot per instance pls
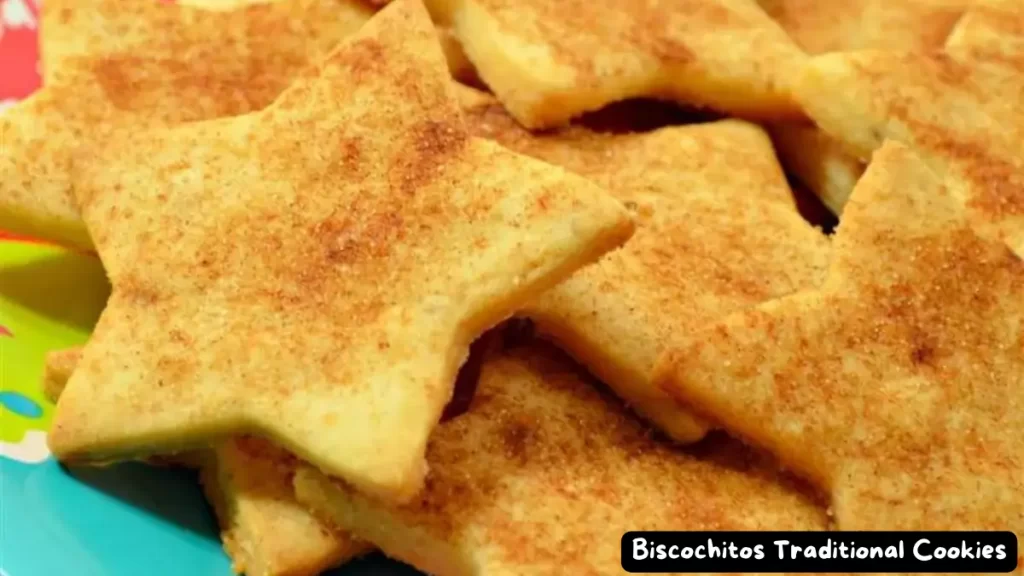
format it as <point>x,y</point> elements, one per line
<point>19,58</point>
<point>19,49</point>
<point>12,237</point>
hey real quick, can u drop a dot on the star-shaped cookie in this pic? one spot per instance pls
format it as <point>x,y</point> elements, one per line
<point>899,386</point>
<point>717,232</point>
<point>248,481</point>
<point>264,529</point>
<point>961,116</point>
<point>549,62</point>
<point>459,65</point>
<point>820,27</point>
<point>196,36</point>
<point>820,162</point>
<point>316,271</point>
<point>991,30</point>
<point>113,66</point>
<point>545,473</point>
<point>57,370</point>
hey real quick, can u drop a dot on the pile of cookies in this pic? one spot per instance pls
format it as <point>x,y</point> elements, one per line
<point>311,211</point>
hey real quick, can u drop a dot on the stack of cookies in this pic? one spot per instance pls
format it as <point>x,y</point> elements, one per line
<point>312,211</point>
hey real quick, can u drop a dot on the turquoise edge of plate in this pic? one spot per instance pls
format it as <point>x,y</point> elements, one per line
<point>128,519</point>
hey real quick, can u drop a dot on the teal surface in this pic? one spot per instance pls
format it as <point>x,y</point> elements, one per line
<point>127,519</point>
<point>130,519</point>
